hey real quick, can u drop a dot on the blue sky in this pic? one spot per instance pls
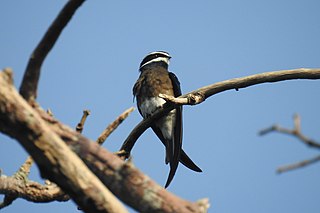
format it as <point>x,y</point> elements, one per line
<point>95,64</point>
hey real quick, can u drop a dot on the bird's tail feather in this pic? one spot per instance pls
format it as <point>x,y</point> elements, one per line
<point>187,162</point>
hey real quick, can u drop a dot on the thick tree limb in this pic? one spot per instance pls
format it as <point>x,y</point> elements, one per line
<point>29,85</point>
<point>41,135</point>
<point>55,160</point>
<point>200,95</point>
<point>20,186</point>
<point>296,132</point>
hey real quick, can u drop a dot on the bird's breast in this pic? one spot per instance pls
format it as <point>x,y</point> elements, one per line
<point>166,123</point>
<point>150,105</point>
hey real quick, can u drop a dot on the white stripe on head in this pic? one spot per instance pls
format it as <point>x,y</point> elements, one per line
<point>164,59</point>
<point>157,56</point>
<point>160,52</point>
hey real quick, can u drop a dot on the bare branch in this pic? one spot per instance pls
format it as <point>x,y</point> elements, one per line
<point>55,159</point>
<point>123,179</point>
<point>80,125</point>
<point>111,127</point>
<point>41,135</point>
<point>31,191</point>
<point>267,77</point>
<point>21,175</point>
<point>204,205</point>
<point>296,132</point>
<point>24,170</point>
<point>275,128</point>
<point>190,99</point>
<point>297,123</point>
<point>213,89</point>
<point>29,85</point>
<point>298,164</point>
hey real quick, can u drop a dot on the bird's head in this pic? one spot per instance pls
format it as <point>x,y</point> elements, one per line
<point>160,58</point>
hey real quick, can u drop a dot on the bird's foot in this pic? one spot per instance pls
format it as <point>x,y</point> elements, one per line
<point>123,154</point>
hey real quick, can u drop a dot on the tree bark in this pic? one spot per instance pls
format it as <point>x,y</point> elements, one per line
<point>56,147</point>
<point>54,158</point>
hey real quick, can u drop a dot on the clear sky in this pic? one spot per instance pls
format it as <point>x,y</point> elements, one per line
<point>95,64</point>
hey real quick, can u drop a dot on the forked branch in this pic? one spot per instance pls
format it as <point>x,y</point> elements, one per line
<point>57,148</point>
<point>54,158</point>
<point>296,132</point>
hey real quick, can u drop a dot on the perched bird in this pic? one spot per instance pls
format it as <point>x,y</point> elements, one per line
<point>155,79</point>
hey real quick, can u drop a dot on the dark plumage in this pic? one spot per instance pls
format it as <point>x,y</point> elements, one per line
<point>153,80</point>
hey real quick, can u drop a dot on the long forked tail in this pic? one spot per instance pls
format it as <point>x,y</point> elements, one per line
<point>187,162</point>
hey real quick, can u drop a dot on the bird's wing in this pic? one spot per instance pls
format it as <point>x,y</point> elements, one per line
<point>136,90</point>
<point>184,159</point>
<point>177,137</point>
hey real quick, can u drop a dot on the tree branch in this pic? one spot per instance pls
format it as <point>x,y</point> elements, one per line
<point>80,125</point>
<point>122,178</point>
<point>29,85</point>
<point>298,165</point>
<point>21,175</point>
<point>31,191</point>
<point>41,135</point>
<point>296,132</point>
<point>200,95</point>
<point>55,160</point>
<point>111,127</point>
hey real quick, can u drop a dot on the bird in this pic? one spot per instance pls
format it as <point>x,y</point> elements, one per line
<point>155,79</point>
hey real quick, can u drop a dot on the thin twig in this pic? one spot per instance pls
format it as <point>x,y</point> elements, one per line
<point>296,132</point>
<point>24,170</point>
<point>49,112</point>
<point>29,85</point>
<point>298,165</point>
<point>22,175</point>
<point>213,89</point>
<point>297,123</point>
<point>111,127</point>
<point>80,125</point>
<point>204,205</point>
